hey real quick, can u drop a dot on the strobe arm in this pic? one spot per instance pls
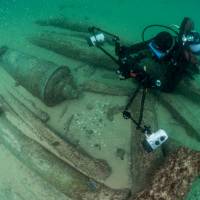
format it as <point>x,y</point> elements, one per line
<point>97,39</point>
<point>94,30</point>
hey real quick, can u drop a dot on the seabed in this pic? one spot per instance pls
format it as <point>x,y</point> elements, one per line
<point>82,148</point>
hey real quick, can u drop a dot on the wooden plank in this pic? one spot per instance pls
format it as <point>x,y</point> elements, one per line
<point>35,129</point>
<point>61,175</point>
<point>95,168</point>
<point>184,111</point>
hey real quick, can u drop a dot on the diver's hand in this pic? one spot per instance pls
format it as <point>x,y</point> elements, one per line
<point>122,51</point>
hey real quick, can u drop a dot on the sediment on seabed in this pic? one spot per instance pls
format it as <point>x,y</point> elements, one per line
<point>72,170</point>
<point>55,171</point>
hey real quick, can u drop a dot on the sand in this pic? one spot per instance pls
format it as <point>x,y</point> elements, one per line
<point>126,18</point>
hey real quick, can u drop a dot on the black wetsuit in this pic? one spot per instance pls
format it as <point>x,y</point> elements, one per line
<point>172,67</point>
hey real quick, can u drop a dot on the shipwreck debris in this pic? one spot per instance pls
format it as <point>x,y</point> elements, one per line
<point>120,153</point>
<point>46,80</point>
<point>73,48</point>
<point>26,122</point>
<point>65,178</point>
<point>181,111</point>
<point>64,23</point>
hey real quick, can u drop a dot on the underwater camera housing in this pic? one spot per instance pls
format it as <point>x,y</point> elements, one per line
<point>154,140</point>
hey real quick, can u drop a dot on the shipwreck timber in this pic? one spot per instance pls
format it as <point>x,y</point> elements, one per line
<point>46,137</point>
<point>62,176</point>
<point>80,176</point>
<point>74,48</point>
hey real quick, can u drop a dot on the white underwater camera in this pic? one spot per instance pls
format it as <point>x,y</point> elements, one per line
<point>96,39</point>
<point>154,140</point>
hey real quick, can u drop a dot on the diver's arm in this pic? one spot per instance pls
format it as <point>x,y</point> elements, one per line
<point>135,48</point>
<point>124,51</point>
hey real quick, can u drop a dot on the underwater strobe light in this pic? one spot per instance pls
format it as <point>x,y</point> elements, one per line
<point>96,39</point>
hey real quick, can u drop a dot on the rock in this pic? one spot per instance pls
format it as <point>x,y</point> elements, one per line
<point>98,146</point>
<point>120,153</point>
<point>170,147</point>
<point>174,178</point>
<point>112,111</point>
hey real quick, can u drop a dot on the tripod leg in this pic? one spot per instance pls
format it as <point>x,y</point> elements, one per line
<point>142,106</point>
<point>132,97</point>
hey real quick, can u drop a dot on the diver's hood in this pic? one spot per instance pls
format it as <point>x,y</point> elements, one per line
<point>162,44</point>
<point>158,53</point>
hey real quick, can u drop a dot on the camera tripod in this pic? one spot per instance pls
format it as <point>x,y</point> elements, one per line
<point>128,115</point>
<point>143,82</point>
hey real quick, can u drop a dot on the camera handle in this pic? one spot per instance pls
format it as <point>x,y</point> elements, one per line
<point>93,29</point>
<point>108,54</point>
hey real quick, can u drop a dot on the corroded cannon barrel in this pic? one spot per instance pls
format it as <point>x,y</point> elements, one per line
<point>64,23</point>
<point>77,28</point>
<point>74,48</point>
<point>46,80</point>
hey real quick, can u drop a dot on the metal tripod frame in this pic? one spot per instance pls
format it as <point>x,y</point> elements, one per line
<point>127,115</point>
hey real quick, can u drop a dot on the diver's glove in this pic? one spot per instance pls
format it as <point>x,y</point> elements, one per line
<point>122,51</point>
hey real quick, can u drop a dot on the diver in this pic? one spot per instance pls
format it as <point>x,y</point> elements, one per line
<point>171,57</point>
<point>160,62</point>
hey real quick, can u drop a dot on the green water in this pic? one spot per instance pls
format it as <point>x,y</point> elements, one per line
<point>125,18</point>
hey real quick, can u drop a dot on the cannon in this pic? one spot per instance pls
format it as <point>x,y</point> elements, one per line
<point>46,80</point>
